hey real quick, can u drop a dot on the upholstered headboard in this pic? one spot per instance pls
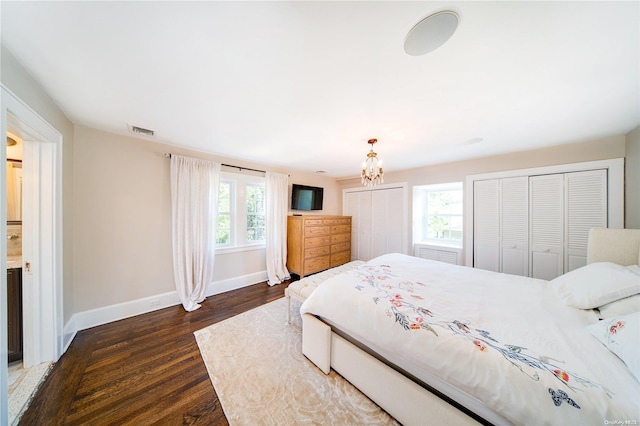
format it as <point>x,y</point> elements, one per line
<point>621,246</point>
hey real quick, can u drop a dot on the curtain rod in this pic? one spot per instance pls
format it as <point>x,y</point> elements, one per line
<point>168,155</point>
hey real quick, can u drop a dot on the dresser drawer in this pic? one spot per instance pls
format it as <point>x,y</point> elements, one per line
<point>317,251</point>
<point>340,229</point>
<point>316,264</point>
<point>340,258</point>
<point>329,221</point>
<point>314,231</point>
<point>344,221</point>
<point>317,241</point>
<point>335,248</point>
<point>311,222</point>
<point>340,238</point>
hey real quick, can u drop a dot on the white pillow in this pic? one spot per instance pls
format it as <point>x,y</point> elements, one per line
<point>621,335</point>
<point>625,306</point>
<point>596,284</point>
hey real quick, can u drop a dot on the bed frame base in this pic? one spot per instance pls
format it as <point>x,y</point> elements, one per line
<point>405,400</point>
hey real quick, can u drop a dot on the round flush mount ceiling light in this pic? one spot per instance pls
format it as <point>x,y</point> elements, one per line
<point>431,33</point>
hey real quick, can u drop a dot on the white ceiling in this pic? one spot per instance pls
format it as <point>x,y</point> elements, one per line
<point>304,85</point>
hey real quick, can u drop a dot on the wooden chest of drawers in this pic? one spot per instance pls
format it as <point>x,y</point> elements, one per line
<point>315,243</point>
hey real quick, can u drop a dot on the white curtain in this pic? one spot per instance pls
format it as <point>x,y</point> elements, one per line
<point>276,191</point>
<point>194,215</point>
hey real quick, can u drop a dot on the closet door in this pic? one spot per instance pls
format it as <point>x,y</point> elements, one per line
<point>387,221</point>
<point>546,211</point>
<point>586,208</point>
<point>486,226</point>
<point>514,225</point>
<point>358,206</point>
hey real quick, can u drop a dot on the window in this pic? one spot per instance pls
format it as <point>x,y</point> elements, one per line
<point>225,201</point>
<point>437,214</point>
<point>241,211</point>
<point>255,212</point>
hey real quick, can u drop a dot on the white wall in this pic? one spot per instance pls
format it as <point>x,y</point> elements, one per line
<point>601,149</point>
<point>122,226</point>
<point>632,179</point>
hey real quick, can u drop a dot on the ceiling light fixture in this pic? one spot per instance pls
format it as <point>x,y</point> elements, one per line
<point>372,173</point>
<point>431,33</point>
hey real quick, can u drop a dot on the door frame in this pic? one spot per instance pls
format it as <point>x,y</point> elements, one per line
<point>42,239</point>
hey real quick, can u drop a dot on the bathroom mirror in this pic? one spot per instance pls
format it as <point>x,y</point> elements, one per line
<point>14,190</point>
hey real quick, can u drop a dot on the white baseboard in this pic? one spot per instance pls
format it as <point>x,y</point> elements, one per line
<point>106,314</point>
<point>235,283</point>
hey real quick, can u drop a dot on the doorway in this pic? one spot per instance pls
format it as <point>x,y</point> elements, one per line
<point>42,239</point>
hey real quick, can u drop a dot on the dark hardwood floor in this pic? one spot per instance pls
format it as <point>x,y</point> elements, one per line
<point>141,370</point>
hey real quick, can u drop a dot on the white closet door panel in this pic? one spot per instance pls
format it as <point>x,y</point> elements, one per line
<point>486,227</point>
<point>387,221</point>
<point>487,211</point>
<point>547,210</point>
<point>350,208</point>
<point>514,193</point>
<point>546,213</point>
<point>514,222</point>
<point>515,258</point>
<point>378,245</point>
<point>546,265</point>
<point>358,206</point>
<point>378,223</point>
<point>486,257</point>
<point>586,208</point>
<point>574,262</point>
<point>364,226</point>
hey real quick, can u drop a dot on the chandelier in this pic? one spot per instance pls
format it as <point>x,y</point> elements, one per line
<point>372,168</point>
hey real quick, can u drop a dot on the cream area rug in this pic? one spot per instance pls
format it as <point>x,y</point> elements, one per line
<point>257,368</point>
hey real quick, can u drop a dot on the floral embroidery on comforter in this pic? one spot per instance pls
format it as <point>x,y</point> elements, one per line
<point>472,329</point>
<point>410,310</point>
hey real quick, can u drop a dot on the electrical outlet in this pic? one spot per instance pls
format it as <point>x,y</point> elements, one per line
<point>155,302</point>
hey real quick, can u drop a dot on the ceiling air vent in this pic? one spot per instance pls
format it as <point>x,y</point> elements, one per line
<point>141,131</point>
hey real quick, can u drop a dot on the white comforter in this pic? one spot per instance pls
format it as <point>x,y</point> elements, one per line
<point>506,341</point>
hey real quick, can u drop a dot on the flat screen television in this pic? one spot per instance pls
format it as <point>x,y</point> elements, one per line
<point>306,197</point>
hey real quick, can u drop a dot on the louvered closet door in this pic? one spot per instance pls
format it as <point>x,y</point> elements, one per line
<point>546,212</point>
<point>358,206</point>
<point>586,208</point>
<point>514,244</point>
<point>486,226</point>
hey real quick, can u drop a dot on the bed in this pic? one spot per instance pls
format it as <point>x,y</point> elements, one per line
<point>434,343</point>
